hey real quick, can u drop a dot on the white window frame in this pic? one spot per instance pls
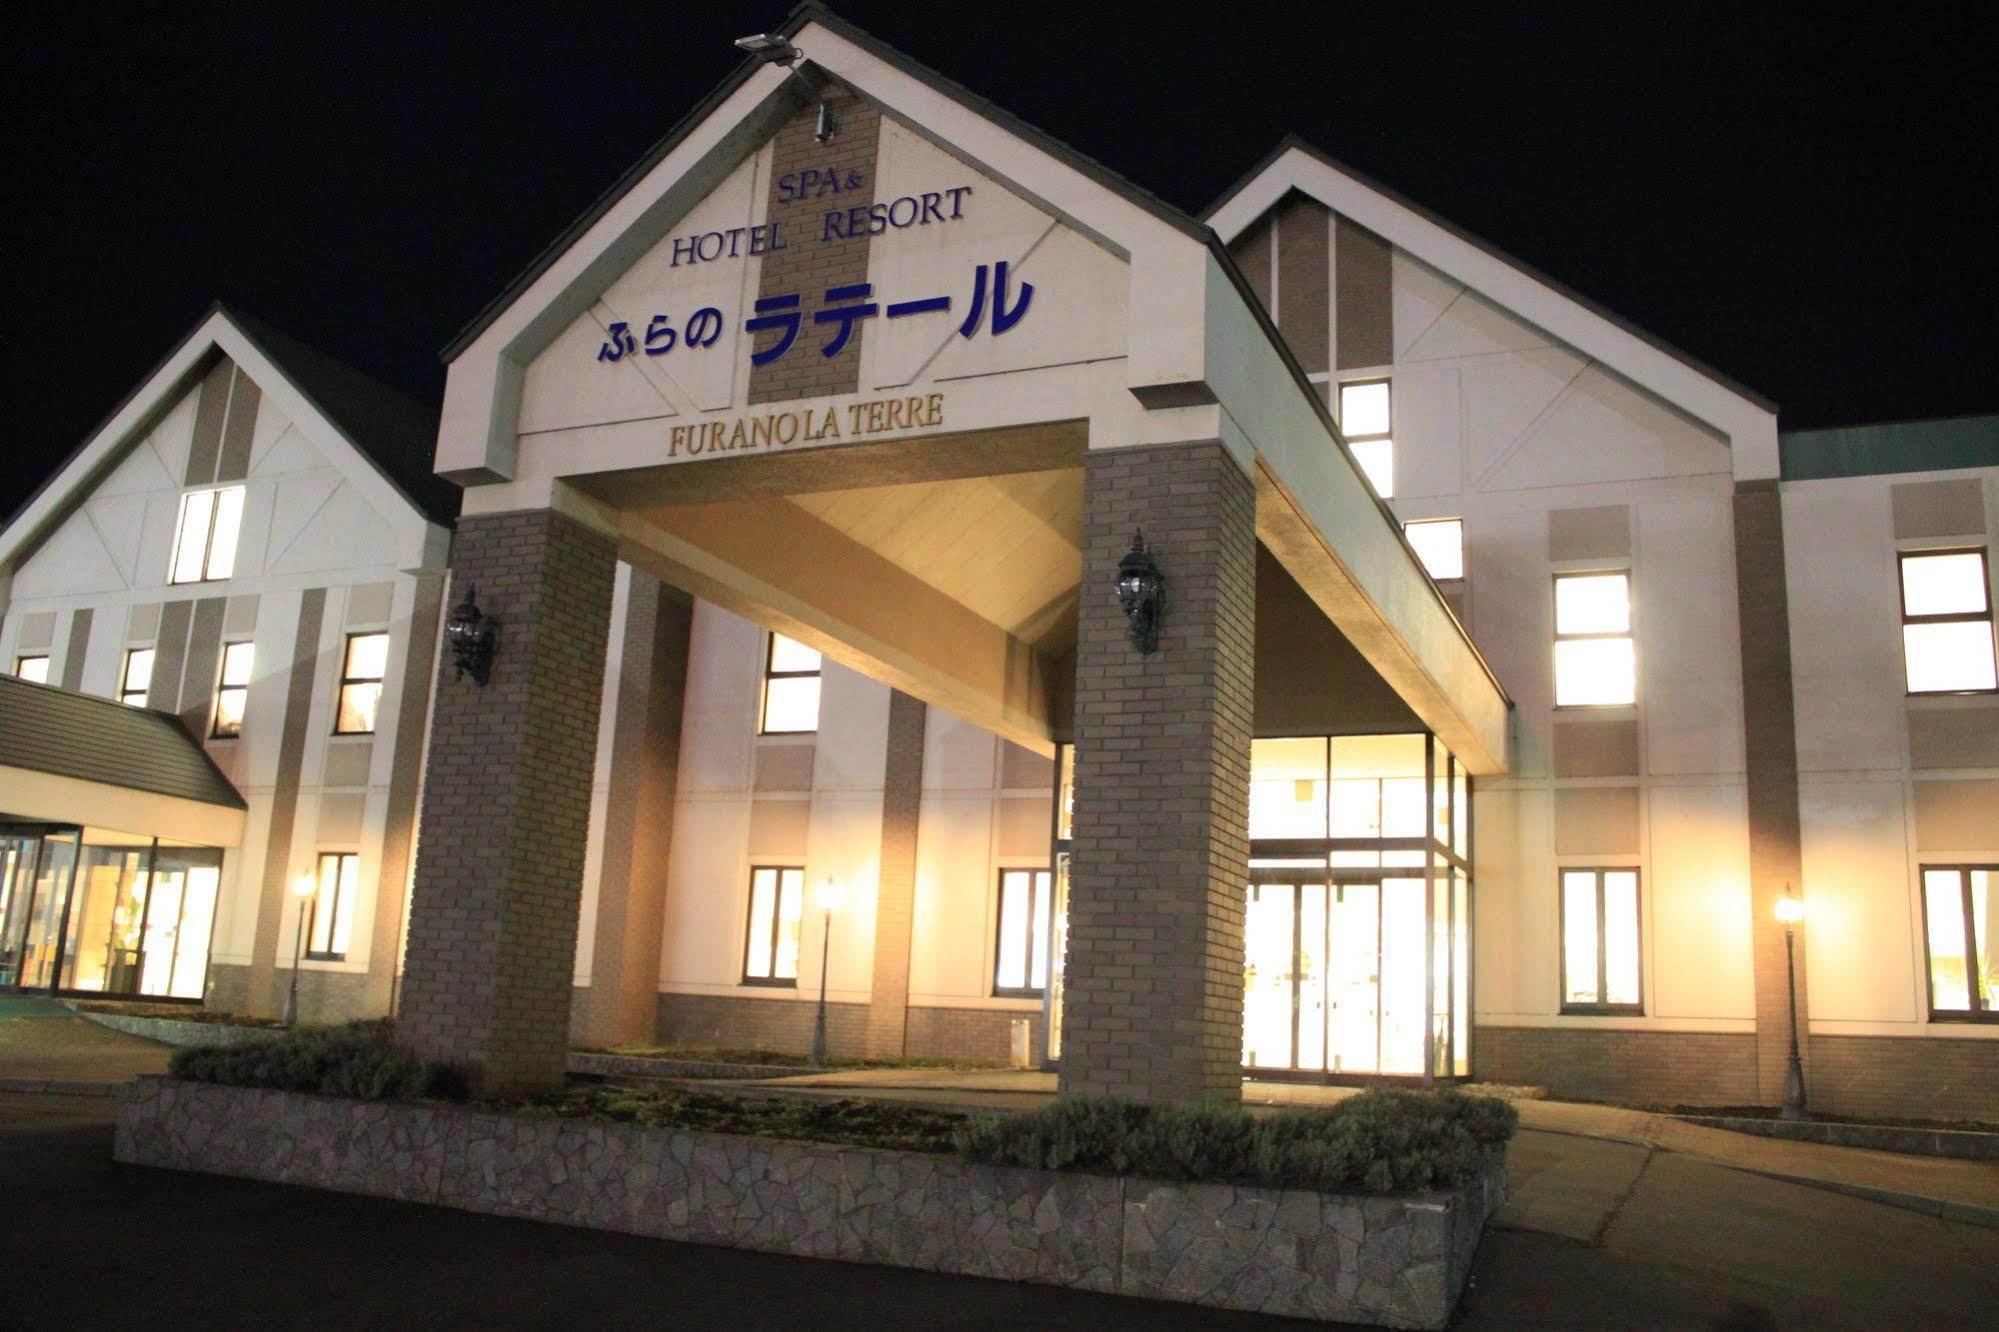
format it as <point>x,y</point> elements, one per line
<point>1387,437</point>
<point>22,662</point>
<point>207,572</point>
<point>130,696</point>
<point>1902,559</point>
<point>1628,634</point>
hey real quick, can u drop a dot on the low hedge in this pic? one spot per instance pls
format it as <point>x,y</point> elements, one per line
<point>1379,1141</point>
<point>847,1121</point>
<point>360,1059</point>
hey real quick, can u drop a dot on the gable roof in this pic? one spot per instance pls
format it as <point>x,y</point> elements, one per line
<point>1747,417</point>
<point>806,13</point>
<point>392,430</point>
<point>387,436</point>
<point>100,740</point>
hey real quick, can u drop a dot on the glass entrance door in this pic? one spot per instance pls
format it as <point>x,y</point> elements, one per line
<point>1334,978</point>
<point>35,891</point>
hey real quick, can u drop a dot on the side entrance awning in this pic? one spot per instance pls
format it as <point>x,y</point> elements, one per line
<point>74,759</point>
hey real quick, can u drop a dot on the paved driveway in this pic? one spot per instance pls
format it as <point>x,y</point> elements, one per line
<point>1599,1235</point>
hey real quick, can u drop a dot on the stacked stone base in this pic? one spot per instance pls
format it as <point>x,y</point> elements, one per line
<point>1394,1261</point>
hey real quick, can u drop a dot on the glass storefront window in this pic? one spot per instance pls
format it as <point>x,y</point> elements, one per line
<point>107,917</point>
<point>131,918</point>
<point>1287,788</point>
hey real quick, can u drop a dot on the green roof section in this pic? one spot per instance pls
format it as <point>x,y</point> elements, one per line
<point>1894,446</point>
<point>90,739</point>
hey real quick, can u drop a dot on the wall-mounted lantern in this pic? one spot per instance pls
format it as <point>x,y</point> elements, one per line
<point>1139,590</point>
<point>472,638</point>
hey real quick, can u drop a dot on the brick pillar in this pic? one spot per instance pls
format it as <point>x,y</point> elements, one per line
<point>1770,743</point>
<point>895,891</point>
<point>506,806</point>
<point>1160,853</point>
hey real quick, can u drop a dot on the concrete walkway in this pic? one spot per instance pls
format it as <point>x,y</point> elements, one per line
<point>46,1047</point>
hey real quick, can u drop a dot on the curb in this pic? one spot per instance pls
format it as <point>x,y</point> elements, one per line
<point>59,1087</point>
<point>1972,1214</point>
<point>1951,1144</point>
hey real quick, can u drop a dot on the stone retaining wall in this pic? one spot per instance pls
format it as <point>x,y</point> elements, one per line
<point>1396,1261</point>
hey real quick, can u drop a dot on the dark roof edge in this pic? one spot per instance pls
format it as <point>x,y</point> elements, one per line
<point>1554,284</point>
<point>1296,369</point>
<point>245,324</point>
<point>813,12</point>
<point>250,326</point>
<point>1953,418</point>
<point>236,798</point>
<point>104,422</point>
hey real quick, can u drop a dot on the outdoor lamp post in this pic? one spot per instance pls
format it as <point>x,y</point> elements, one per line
<point>828,898</point>
<point>1791,911</point>
<point>304,888</point>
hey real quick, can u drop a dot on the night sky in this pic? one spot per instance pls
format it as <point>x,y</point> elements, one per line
<point>1807,203</point>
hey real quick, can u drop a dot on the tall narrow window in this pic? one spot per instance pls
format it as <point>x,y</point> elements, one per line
<point>205,535</point>
<point>136,677</point>
<point>32,666</point>
<point>1600,969</point>
<point>1366,421</point>
<point>330,928</point>
<point>777,899</point>
<point>791,688</point>
<point>1595,664</point>
<point>1440,544</point>
<point>1959,903</point>
<point>363,664</point>
<point>1021,968</point>
<point>1947,622</point>
<point>232,690</point>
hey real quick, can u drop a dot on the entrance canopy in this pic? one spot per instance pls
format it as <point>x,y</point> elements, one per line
<point>73,760</point>
<point>840,355</point>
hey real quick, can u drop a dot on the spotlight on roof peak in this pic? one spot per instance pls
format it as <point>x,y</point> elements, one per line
<point>768,47</point>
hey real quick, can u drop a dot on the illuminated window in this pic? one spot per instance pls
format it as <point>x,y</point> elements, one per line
<point>1440,544</point>
<point>1600,970</point>
<point>1595,665</point>
<point>205,535</point>
<point>137,677</point>
<point>1958,907</point>
<point>791,688</point>
<point>35,668</point>
<point>232,690</point>
<point>330,927</point>
<point>1021,968</point>
<point>363,665</point>
<point>777,894</point>
<point>1947,622</point>
<point>1366,422</point>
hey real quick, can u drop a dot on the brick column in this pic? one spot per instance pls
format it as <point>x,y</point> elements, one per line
<point>1153,985</point>
<point>506,806</point>
<point>1770,742</point>
<point>895,881</point>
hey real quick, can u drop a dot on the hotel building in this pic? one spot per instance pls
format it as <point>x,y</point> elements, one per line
<point>928,571</point>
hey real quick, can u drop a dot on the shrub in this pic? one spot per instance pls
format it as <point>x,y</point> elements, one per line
<point>360,1060</point>
<point>1379,1141</point>
<point>851,1122</point>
